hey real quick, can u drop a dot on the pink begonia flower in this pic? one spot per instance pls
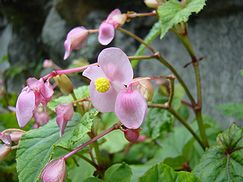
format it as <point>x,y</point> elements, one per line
<point>107,28</point>
<point>54,171</point>
<point>36,92</point>
<point>64,114</point>
<point>75,39</point>
<point>130,108</point>
<point>114,71</point>
<point>108,91</point>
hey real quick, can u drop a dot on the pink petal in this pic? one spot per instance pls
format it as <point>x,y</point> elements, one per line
<point>67,47</point>
<point>54,171</point>
<point>110,18</point>
<point>25,106</point>
<point>106,33</point>
<point>103,102</point>
<point>93,72</point>
<point>130,108</point>
<point>64,114</point>
<point>46,92</point>
<point>34,84</point>
<point>116,65</point>
<point>75,38</point>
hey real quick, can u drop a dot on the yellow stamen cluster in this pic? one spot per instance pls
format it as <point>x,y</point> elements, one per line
<point>102,85</point>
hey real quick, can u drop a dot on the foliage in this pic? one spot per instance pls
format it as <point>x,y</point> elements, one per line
<point>173,12</point>
<point>223,162</point>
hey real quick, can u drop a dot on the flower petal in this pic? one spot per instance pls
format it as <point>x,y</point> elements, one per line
<point>93,72</point>
<point>111,17</point>
<point>75,38</point>
<point>130,108</point>
<point>25,106</point>
<point>106,33</point>
<point>103,102</point>
<point>116,65</point>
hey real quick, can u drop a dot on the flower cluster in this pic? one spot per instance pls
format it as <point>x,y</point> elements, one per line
<point>77,36</point>
<point>35,93</point>
<point>112,90</point>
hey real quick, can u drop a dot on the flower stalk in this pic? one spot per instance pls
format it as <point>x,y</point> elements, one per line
<point>114,127</point>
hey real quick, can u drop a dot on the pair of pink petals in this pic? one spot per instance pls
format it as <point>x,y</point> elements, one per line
<point>128,104</point>
<point>36,92</point>
<point>107,28</point>
<point>77,36</point>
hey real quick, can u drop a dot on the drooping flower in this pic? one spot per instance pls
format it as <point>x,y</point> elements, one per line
<point>36,92</point>
<point>111,89</point>
<point>107,28</point>
<point>5,138</point>
<point>54,171</point>
<point>130,108</point>
<point>64,114</point>
<point>107,79</point>
<point>75,39</point>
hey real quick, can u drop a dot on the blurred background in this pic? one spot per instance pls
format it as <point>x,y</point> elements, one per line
<point>34,30</point>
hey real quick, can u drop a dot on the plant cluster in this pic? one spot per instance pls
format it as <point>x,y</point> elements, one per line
<point>121,128</point>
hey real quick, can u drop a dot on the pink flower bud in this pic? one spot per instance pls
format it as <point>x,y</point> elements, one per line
<point>16,136</point>
<point>4,151</point>
<point>75,39</point>
<point>64,114</point>
<point>41,117</point>
<point>145,88</point>
<point>132,135</point>
<point>54,171</point>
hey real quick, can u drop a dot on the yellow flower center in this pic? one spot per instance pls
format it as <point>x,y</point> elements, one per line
<point>102,85</point>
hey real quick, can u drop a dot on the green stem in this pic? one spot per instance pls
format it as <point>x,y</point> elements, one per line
<point>198,108</point>
<point>142,57</point>
<point>137,38</point>
<point>188,127</point>
<point>178,77</point>
<point>180,119</point>
<point>161,60</point>
<point>202,128</point>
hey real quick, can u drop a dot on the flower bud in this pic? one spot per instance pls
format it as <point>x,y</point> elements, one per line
<point>132,135</point>
<point>54,171</point>
<point>16,136</point>
<point>64,83</point>
<point>4,151</point>
<point>145,88</point>
<point>48,63</point>
<point>64,114</point>
<point>120,19</point>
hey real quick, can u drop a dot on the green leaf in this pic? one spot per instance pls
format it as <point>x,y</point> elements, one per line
<point>93,179</point>
<point>223,162</point>
<point>118,172</point>
<point>232,109</point>
<point>153,34</point>
<point>173,12</point>
<point>80,93</point>
<point>162,172</point>
<point>37,147</point>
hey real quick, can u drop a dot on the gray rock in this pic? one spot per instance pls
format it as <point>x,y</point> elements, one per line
<point>219,39</point>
